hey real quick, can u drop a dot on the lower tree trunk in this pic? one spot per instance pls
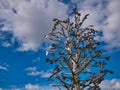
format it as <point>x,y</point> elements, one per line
<point>76,78</point>
<point>77,87</point>
<point>76,83</point>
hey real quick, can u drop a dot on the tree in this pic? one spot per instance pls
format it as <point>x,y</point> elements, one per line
<point>80,63</point>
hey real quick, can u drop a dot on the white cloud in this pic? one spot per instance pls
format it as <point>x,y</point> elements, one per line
<point>31,68</point>
<point>33,71</point>
<point>45,74</point>
<point>112,27</point>
<point>32,19</point>
<point>38,87</point>
<point>30,86</point>
<point>6,44</point>
<point>113,84</point>
<point>3,68</point>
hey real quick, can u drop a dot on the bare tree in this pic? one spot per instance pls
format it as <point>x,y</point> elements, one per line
<point>80,63</point>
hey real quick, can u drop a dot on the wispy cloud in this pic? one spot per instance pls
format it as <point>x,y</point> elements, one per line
<point>4,66</point>
<point>33,71</point>
<point>30,86</point>
<point>113,84</point>
<point>6,44</point>
<point>45,74</point>
<point>31,68</point>
<point>38,87</point>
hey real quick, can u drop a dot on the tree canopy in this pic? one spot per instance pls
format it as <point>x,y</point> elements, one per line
<point>80,62</point>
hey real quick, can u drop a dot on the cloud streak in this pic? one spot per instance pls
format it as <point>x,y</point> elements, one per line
<point>30,86</point>
<point>33,71</point>
<point>4,66</point>
<point>37,87</point>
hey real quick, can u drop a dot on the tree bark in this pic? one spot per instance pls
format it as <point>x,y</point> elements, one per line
<point>76,83</point>
<point>75,76</point>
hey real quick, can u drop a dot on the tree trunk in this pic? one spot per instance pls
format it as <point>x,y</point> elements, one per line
<point>75,76</point>
<point>76,83</point>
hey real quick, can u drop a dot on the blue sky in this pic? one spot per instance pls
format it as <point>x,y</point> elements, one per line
<point>23,23</point>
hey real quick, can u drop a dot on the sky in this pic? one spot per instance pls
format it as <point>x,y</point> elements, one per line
<point>23,23</point>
